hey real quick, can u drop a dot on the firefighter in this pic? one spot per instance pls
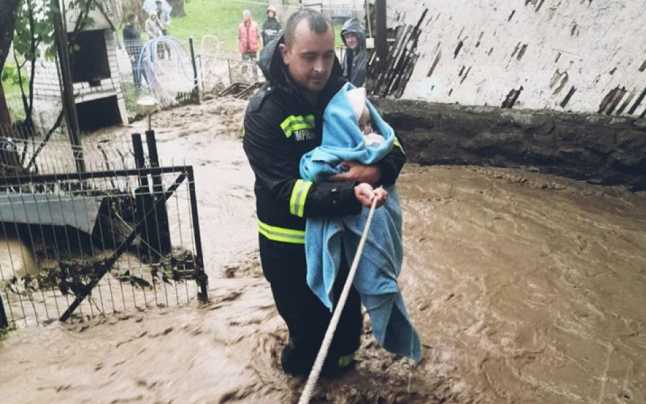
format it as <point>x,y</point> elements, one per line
<point>282,122</point>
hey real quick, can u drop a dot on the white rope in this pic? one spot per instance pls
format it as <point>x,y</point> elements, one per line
<point>306,395</point>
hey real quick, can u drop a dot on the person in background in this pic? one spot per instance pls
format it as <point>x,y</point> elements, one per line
<point>132,42</point>
<point>355,60</point>
<point>153,30</point>
<point>163,16</point>
<point>152,27</point>
<point>248,43</point>
<point>163,20</point>
<point>271,27</point>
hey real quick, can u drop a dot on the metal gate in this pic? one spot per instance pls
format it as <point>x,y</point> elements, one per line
<point>97,242</point>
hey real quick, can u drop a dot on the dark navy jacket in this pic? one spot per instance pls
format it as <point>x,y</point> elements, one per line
<point>280,125</point>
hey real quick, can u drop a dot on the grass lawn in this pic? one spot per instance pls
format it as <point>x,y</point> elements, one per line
<point>221,18</point>
<point>216,17</point>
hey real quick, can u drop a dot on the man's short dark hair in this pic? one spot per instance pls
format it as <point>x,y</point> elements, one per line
<point>317,22</point>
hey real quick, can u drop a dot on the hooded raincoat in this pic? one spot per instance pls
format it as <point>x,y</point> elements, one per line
<point>355,61</point>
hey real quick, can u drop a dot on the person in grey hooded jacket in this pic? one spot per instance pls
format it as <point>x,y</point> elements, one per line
<point>355,60</point>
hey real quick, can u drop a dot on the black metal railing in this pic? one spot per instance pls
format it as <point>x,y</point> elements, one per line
<point>101,241</point>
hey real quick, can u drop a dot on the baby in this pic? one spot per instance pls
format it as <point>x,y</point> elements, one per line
<point>358,100</point>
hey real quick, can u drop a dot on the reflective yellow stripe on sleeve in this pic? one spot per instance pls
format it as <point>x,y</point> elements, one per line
<point>281,234</point>
<point>397,144</point>
<point>298,197</point>
<point>294,123</point>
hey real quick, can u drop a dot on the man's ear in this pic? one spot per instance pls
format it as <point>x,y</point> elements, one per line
<point>284,52</point>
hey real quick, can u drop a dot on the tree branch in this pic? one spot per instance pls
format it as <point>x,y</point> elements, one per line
<point>82,20</point>
<point>33,41</point>
<point>42,144</point>
<point>23,96</point>
<point>8,15</point>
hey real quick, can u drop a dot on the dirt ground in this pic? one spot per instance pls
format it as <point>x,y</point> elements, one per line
<point>524,288</point>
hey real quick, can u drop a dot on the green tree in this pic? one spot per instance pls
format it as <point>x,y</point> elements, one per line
<point>29,26</point>
<point>34,37</point>
<point>33,33</point>
<point>8,10</point>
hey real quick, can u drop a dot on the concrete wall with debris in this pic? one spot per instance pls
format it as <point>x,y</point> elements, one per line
<point>566,55</point>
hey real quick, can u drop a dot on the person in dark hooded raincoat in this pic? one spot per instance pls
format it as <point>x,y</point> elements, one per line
<point>355,60</point>
<point>271,27</point>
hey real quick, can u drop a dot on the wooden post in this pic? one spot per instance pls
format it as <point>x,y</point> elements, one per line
<point>381,45</point>
<point>196,87</point>
<point>69,104</point>
<point>4,323</point>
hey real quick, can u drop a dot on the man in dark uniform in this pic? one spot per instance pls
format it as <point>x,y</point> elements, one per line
<point>283,121</point>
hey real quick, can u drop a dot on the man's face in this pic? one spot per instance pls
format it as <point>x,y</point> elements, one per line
<point>271,14</point>
<point>310,58</point>
<point>351,40</point>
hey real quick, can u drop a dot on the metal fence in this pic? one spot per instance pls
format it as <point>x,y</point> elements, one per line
<point>183,72</point>
<point>219,69</point>
<point>24,150</point>
<point>163,68</point>
<point>123,236</point>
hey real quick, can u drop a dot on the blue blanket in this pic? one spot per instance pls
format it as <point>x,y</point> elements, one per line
<point>380,265</point>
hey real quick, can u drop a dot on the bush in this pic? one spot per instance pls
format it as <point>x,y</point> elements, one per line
<point>10,75</point>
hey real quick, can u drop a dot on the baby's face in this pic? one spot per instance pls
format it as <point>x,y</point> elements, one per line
<point>365,123</point>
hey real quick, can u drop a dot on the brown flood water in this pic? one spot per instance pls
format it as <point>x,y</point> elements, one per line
<point>531,287</point>
<point>525,288</point>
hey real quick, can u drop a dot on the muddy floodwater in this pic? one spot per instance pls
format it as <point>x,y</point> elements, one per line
<point>525,288</point>
<point>532,288</point>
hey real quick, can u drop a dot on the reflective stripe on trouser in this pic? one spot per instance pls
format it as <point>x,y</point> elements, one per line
<point>294,123</point>
<point>298,198</point>
<point>281,234</point>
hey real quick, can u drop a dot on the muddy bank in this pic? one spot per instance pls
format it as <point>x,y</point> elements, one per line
<point>596,148</point>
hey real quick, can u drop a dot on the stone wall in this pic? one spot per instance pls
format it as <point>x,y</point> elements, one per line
<point>594,148</point>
